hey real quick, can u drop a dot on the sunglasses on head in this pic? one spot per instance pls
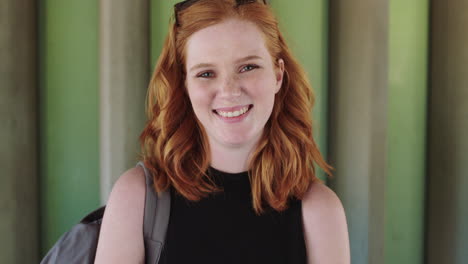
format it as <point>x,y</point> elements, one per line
<point>187,3</point>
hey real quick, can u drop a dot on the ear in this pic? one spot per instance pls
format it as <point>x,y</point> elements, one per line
<point>279,73</point>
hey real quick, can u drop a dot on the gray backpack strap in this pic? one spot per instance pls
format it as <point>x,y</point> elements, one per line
<point>156,219</point>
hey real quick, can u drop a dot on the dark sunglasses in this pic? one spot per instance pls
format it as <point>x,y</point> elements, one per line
<point>187,3</point>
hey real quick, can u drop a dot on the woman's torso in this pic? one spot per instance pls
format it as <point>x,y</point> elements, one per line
<point>224,228</point>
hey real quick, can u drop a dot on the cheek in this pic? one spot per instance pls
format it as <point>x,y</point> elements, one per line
<point>199,96</point>
<point>265,97</point>
<point>262,89</point>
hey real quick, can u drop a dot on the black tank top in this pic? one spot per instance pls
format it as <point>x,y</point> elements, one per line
<point>223,228</point>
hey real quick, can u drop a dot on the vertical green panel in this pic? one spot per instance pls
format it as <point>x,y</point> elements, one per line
<point>161,13</point>
<point>408,58</point>
<point>304,24</point>
<point>69,114</point>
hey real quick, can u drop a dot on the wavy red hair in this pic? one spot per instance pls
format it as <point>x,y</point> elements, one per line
<point>174,143</point>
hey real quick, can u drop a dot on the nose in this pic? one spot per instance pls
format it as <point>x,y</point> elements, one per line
<point>230,87</point>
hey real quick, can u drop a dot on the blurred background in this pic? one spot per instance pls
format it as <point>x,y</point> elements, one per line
<point>391,116</point>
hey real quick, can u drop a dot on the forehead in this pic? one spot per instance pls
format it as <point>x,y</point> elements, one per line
<point>228,40</point>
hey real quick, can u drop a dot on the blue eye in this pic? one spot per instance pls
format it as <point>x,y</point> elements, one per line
<point>205,75</point>
<point>249,67</point>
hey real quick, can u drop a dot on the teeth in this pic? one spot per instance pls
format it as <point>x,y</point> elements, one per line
<point>233,114</point>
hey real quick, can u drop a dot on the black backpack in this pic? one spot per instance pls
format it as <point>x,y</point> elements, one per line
<point>78,245</point>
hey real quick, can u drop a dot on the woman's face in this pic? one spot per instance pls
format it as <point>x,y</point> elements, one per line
<point>231,82</point>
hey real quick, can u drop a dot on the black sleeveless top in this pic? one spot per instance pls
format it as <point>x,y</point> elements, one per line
<point>224,228</point>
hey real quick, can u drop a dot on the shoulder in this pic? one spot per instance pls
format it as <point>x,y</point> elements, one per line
<point>128,192</point>
<point>325,227</point>
<point>319,197</point>
<point>121,235</point>
<point>130,183</point>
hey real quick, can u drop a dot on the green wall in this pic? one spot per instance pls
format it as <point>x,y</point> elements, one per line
<point>69,112</point>
<point>69,152</point>
<point>408,60</point>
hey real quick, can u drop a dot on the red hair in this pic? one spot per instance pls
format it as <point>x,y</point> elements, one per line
<point>174,143</point>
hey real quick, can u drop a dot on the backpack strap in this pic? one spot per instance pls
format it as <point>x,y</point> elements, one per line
<point>156,218</point>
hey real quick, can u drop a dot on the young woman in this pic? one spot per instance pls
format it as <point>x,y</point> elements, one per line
<point>229,133</point>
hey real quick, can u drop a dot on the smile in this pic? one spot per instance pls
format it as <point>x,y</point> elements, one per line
<point>233,112</point>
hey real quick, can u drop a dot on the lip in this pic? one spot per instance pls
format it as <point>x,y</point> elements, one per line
<point>236,119</point>
<point>232,109</point>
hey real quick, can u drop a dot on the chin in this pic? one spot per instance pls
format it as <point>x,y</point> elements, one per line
<point>234,143</point>
<point>236,140</point>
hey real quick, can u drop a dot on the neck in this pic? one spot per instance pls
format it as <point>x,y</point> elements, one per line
<point>231,159</point>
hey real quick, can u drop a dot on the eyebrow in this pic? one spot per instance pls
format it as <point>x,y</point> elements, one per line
<point>251,57</point>
<point>206,65</point>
